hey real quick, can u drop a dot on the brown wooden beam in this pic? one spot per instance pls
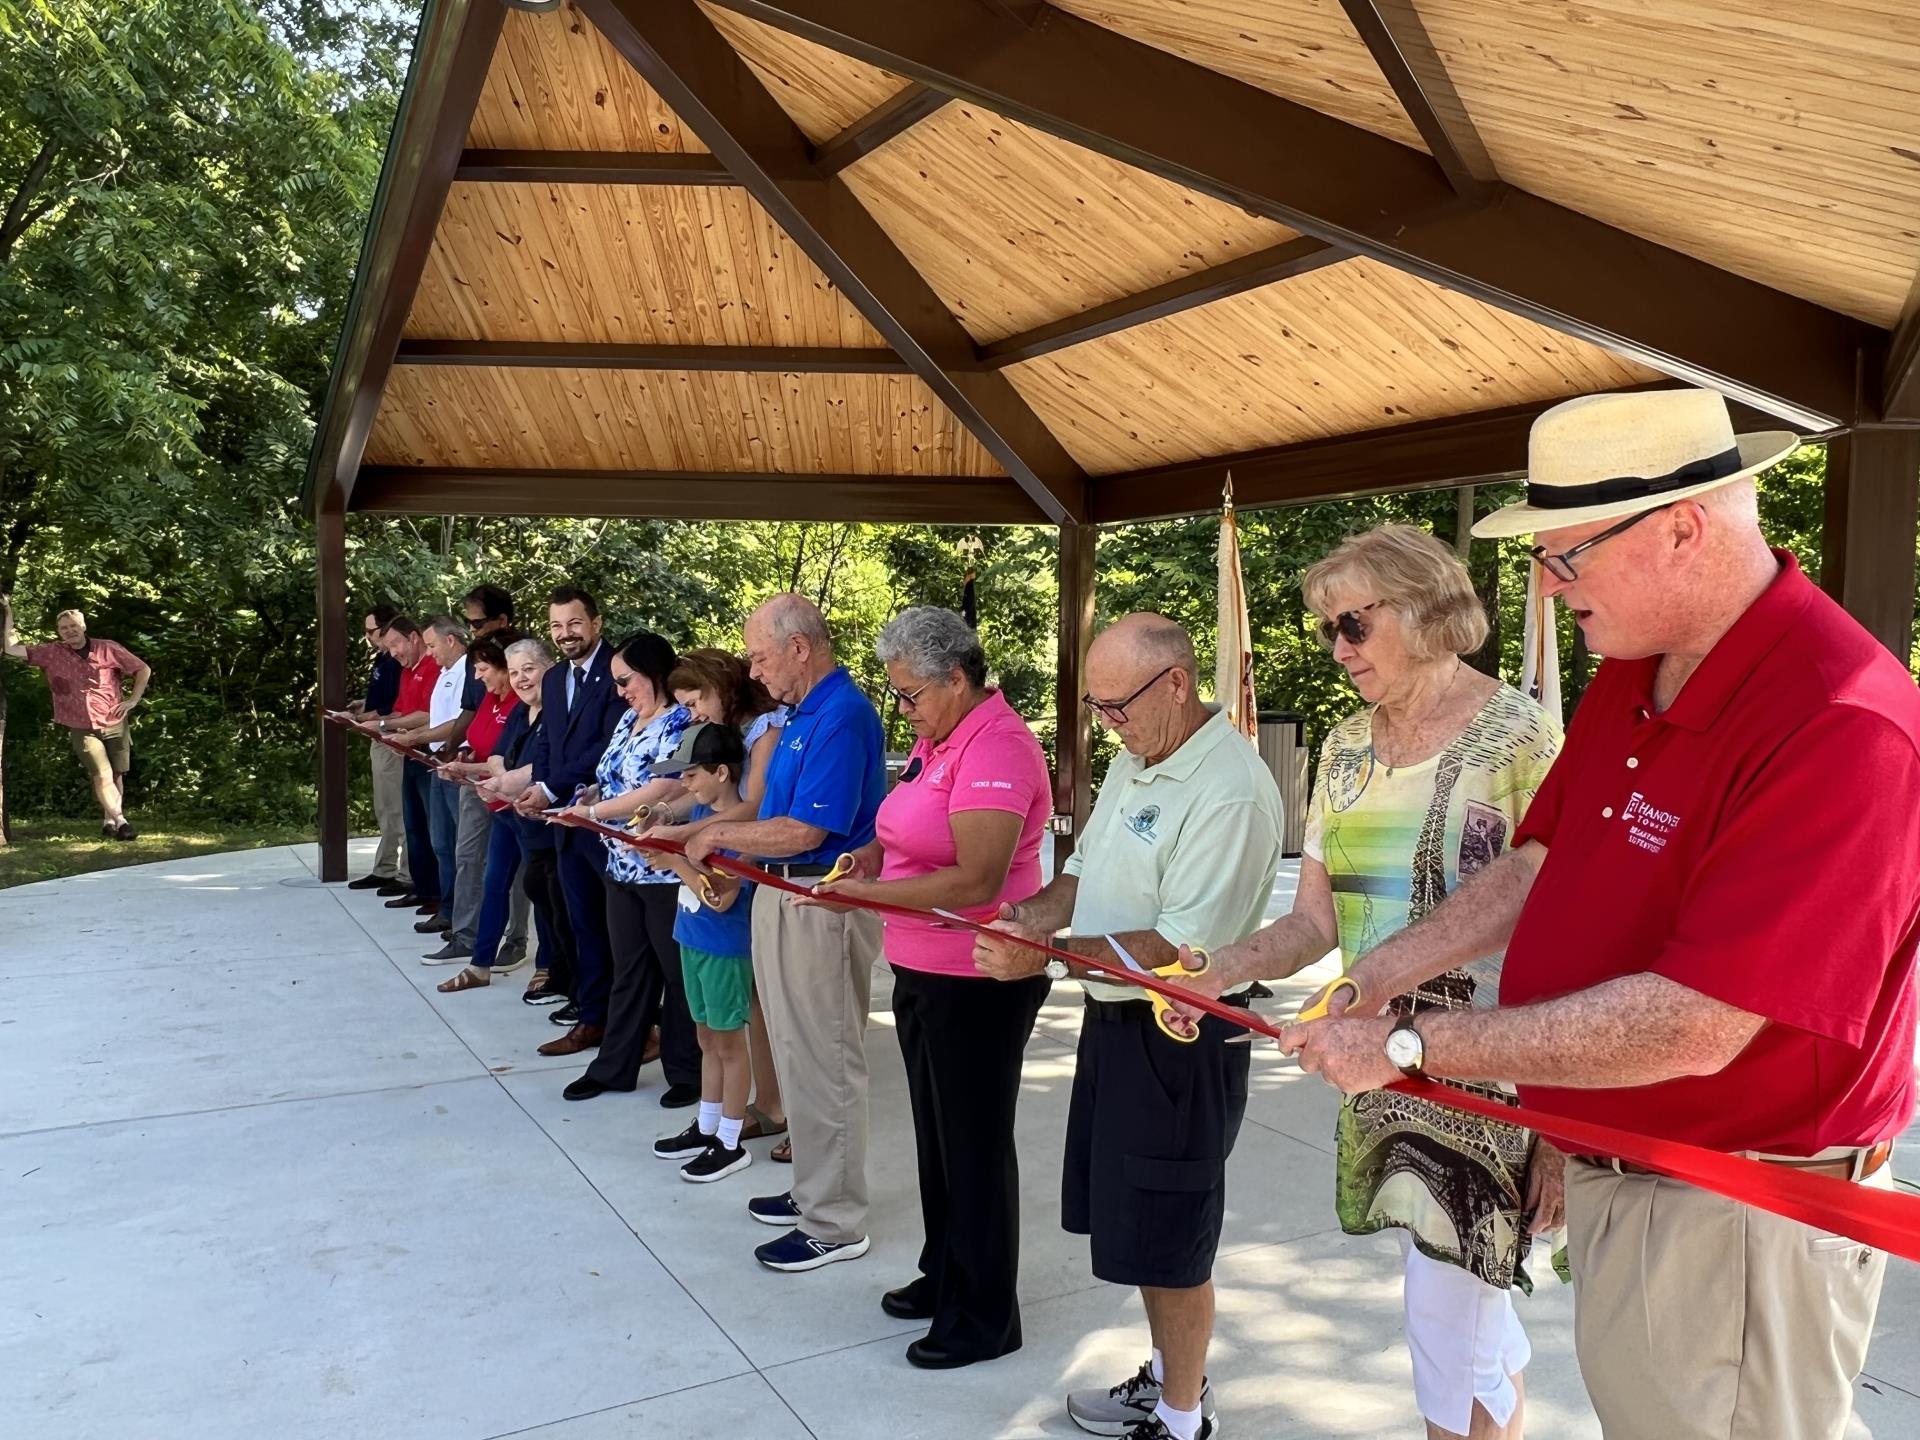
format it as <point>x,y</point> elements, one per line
<point>1073,727</point>
<point>1187,292</point>
<point>1397,38</point>
<point>330,598</point>
<point>1900,382</point>
<point>590,167</point>
<point>1349,187</point>
<point>449,69</point>
<point>1868,536</point>
<point>886,121</point>
<point>1430,454</point>
<point>694,495</point>
<point>682,56</point>
<point>754,359</point>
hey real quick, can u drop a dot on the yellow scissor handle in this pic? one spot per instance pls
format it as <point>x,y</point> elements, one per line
<point>1317,1007</point>
<point>1164,1014</point>
<point>842,868</point>
<point>708,893</point>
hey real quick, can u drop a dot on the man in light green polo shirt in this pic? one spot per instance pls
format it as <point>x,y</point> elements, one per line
<point>1181,849</point>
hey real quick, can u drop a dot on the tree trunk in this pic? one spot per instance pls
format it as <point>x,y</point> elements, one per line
<point>6,827</point>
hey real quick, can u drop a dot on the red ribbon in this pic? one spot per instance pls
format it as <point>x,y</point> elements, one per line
<point>1885,1219</point>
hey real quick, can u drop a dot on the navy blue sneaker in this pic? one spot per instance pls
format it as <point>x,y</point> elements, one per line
<point>798,1250</point>
<point>775,1209</point>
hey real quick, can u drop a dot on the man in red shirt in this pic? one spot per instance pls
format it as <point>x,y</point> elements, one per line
<point>419,673</point>
<point>84,675</point>
<point>1709,918</point>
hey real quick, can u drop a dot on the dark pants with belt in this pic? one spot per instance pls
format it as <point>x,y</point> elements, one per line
<point>963,1039</point>
<point>416,812</point>
<point>540,878</point>
<point>583,864</point>
<point>647,989</point>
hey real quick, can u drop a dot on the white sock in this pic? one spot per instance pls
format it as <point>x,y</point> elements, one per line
<point>1159,1367</point>
<point>1181,1424</point>
<point>730,1129</point>
<point>709,1116</point>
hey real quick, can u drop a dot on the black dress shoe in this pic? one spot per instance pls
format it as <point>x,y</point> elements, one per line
<point>907,1303</point>
<point>390,889</point>
<point>678,1097</point>
<point>568,1014</point>
<point>586,1087</point>
<point>928,1354</point>
<point>426,907</point>
<point>366,882</point>
<point>405,900</point>
<point>430,924</point>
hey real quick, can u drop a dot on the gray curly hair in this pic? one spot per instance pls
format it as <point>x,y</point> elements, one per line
<point>932,643</point>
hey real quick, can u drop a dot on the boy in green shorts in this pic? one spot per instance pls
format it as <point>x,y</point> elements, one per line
<point>714,926</point>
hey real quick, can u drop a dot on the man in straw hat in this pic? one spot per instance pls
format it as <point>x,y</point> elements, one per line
<point>1709,918</point>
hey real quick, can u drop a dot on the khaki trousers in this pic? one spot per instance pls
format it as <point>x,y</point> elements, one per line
<point>814,969</point>
<point>389,862</point>
<point>1697,1318</point>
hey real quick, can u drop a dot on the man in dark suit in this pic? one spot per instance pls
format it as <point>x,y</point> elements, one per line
<point>581,707</point>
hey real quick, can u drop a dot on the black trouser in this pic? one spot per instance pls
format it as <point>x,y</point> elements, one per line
<point>540,878</point>
<point>963,1039</point>
<point>416,788</point>
<point>647,989</point>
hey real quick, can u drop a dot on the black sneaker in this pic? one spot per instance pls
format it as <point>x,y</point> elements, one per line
<point>432,925</point>
<point>123,831</point>
<point>567,1015</point>
<point>716,1162</point>
<point>1154,1428</point>
<point>366,882</point>
<point>774,1209</point>
<point>678,1097</point>
<point>689,1143</point>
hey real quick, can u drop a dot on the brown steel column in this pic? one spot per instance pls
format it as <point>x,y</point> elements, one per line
<point>330,556</point>
<point>1073,738</point>
<point>1867,542</point>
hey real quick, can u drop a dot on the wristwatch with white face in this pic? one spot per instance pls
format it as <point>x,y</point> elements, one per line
<point>1405,1048</point>
<point>1057,968</point>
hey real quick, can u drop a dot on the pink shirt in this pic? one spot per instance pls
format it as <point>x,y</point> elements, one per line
<point>990,762</point>
<point>85,683</point>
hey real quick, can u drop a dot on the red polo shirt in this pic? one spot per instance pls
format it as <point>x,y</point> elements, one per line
<point>416,687</point>
<point>1759,842</point>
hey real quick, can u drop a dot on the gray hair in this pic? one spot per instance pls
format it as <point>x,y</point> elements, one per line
<point>532,647</point>
<point>448,626</point>
<point>787,615</point>
<point>932,643</point>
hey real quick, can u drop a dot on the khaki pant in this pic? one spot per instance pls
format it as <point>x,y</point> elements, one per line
<point>1697,1318</point>
<point>815,972</point>
<point>390,861</point>
<point>105,751</point>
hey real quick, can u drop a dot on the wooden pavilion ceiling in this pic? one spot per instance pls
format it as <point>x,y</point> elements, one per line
<point>1057,258</point>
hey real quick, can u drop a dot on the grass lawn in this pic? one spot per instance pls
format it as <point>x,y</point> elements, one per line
<point>48,849</point>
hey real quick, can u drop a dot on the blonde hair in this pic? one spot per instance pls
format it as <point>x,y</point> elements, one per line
<point>1417,576</point>
<point>79,615</point>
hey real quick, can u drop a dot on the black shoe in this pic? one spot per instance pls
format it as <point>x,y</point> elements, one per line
<point>366,882</point>
<point>687,1144</point>
<point>716,1162</point>
<point>426,907</point>
<point>586,1087</point>
<point>567,1015</point>
<point>389,889</point>
<point>405,900</point>
<point>123,831</point>
<point>431,924</point>
<point>926,1354</point>
<point>448,953</point>
<point>678,1097</point>
<point>909,1302</point>
<point>545,995</point>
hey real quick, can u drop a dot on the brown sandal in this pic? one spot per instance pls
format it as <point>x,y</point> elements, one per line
<point>758,1127</point>
<point>783,1152</point>
<point>468,979</point>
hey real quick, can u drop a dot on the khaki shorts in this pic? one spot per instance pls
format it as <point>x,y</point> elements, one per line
<point>106,750</point>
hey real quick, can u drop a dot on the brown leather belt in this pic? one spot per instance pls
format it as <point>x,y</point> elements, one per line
<point>1858,1167</point>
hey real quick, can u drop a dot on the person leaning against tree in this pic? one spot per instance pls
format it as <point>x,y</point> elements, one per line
<point>84,675</point>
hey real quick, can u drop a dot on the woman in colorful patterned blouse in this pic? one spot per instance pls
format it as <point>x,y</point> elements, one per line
<point>647,988</point>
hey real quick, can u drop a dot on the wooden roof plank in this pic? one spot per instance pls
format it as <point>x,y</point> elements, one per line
<point>679,53</point>
<point>1654,305</point>
<point>1398,40</point>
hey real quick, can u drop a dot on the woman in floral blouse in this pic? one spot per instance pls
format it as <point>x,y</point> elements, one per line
<point>640,898</point>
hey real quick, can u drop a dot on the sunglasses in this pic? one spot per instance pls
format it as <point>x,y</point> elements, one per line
<point>620,682</point>
<point>1561,566</point>
<point>1348,626</point>
<point>1114,712</point>
<point>906,700</point>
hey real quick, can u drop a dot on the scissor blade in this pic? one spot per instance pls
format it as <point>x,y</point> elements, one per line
<point>1121,950</point>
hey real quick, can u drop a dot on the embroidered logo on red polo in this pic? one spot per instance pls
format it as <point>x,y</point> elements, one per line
<point>1648,826</point>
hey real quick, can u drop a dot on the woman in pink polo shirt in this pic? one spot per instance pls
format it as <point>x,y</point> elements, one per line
<point>961,832</point>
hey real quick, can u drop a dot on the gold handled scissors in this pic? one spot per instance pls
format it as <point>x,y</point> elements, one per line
<point>1172,1023</point>
<point>1316,1008</point>
<point>842,868</point>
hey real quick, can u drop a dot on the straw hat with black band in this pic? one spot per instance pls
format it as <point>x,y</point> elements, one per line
<point>1605,457</point>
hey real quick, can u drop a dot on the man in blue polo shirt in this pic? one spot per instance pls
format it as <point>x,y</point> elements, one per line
<point>813,966</point>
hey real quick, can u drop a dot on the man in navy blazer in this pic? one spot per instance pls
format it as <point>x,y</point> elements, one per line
<point>579,708</point>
